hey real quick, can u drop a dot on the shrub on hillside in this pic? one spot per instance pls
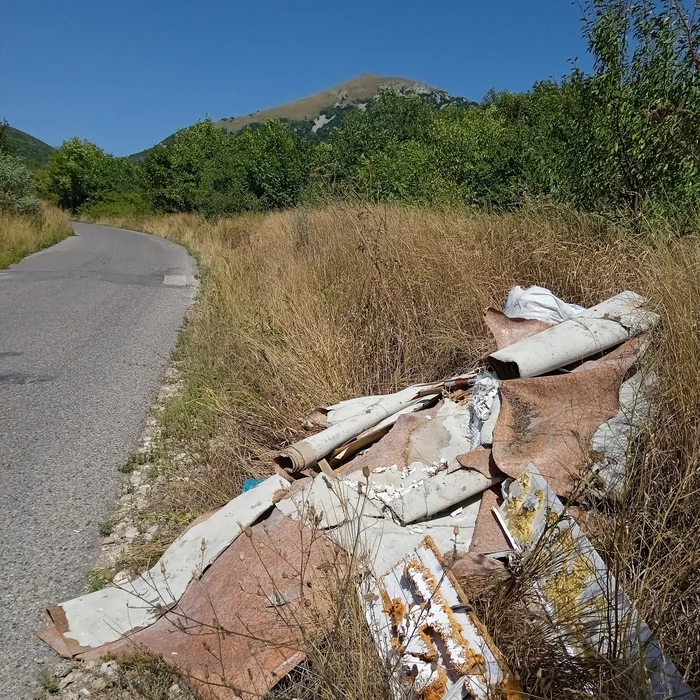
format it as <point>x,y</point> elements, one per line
<point>16,186</point>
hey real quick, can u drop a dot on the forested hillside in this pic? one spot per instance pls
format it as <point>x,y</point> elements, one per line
<point>26,146</point>
<point>621,139</point>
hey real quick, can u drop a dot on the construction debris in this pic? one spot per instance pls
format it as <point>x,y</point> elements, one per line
<point>613,441</point>
<point>107,615</point>
<point>539,304</point>
<point>578,592</point>
<point>423,625</point>
<point>355,417</point>
<point>243,625</point>
<point>550,421</point>
<point>405,490</point>
<point>592,331</point>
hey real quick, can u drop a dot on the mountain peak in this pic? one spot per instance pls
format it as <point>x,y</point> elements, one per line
<point>314,108</point>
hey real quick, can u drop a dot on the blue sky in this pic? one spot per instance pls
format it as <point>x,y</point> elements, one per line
<point>126,73</point>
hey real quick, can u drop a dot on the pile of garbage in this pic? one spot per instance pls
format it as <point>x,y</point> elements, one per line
<point>411,490</point>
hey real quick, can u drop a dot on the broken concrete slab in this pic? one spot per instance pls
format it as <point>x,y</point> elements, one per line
<point>380,543</point>
<point>328,502</point>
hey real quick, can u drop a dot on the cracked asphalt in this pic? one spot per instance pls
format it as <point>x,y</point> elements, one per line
<point>86,331</point>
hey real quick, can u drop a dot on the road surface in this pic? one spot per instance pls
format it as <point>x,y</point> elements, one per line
<point>86,329</point>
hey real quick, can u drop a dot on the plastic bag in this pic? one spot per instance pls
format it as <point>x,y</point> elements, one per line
<point>540,304</point>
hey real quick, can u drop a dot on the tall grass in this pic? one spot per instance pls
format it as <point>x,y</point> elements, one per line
<point>22,234</point>
<point>305,307</point>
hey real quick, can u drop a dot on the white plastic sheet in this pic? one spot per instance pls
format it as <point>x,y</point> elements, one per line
<point>539,304</point>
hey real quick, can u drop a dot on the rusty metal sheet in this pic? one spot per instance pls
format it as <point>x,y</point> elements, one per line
<point>423,625</point>
<point>239,625</point>
<point>550,421</point>
<point>507,331</point>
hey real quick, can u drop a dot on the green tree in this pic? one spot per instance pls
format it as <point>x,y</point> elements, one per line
<point>200,170</point>
<point>77,172</point>
<point>402,172</point>
<point>477,149</point>
<point>387,121</point>
<point>645,87</point>
<point>275,163</point>
<point>6,145</point>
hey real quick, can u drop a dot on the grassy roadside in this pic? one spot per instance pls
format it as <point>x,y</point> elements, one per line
<point>22,234</point>
<point>301,307</point>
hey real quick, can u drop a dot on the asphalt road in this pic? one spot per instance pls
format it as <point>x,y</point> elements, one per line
<point>86,330</point>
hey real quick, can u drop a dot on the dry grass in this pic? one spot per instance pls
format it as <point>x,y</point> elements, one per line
<point>301,308</point>
<point>21,235</point>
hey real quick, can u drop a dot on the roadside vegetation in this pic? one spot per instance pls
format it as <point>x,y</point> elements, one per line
<point>22,234</point>
<point>363,264</point>
<point>26,225</point>
<point>309,306</point>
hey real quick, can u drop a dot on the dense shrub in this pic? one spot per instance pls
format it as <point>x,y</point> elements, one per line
<point>16,186</point>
